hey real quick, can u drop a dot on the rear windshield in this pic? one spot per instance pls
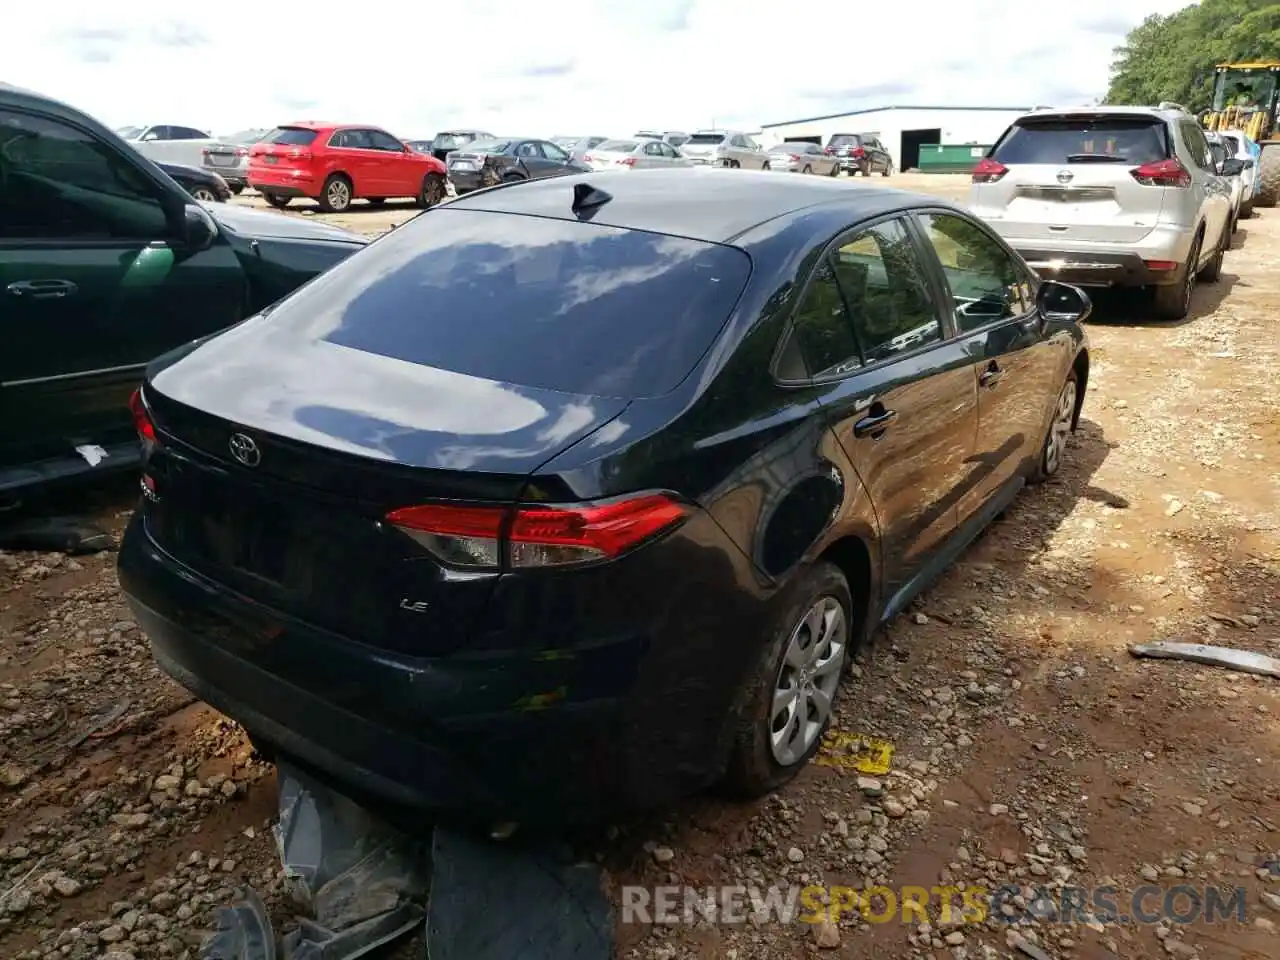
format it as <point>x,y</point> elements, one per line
<point>789,148</point>
<point>845,140</point>
<point>618,146</point>
<point>290,136</point>
<point>706,138</point>
<point>485,146</point>
<point>533,301</point>
<point>1083,140</point>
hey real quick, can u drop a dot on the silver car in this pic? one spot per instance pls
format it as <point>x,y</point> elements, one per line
<point>1110,196</point>
<point>803,157</point>
<point>577,147</point>
<point>725,148</point>
<point>229,158</point>
<point>634,155</point>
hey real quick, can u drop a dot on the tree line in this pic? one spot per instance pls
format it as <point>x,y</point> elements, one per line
<point>1172,57</point>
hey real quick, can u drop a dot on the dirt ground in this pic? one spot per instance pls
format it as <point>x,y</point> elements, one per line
<point>1030,748</point>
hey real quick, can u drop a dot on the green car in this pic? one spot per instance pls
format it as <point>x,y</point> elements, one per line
<point>105,263</point>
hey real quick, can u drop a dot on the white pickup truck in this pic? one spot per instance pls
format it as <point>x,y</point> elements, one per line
<point>169,143</point>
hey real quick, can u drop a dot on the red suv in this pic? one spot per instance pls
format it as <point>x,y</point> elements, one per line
<point>334,164</point>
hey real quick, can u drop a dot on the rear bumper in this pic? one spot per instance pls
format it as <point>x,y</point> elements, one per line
<point>632,720</point>
<point>465,181</point>
<point>1107,264</point>
<point>286,183</point>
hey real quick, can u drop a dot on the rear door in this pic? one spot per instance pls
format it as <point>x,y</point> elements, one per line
<point>93,284</point>
<point>899,395</point>
<point>1016,368</point>
<point>352,153</point>
<point>652,155</point>
<point>1070,177</point>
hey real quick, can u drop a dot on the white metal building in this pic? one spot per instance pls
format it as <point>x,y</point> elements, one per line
<point>902,129</point>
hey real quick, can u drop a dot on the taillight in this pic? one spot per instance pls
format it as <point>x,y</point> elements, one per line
<point>141,418</point>
<point>242,151</point>
<point>795,157</point>
<point>588,158</point>
<point>857,152</point>
<point>537,536</point>
<point>628,161</point>
<point>830,151</point>
<point>989,171</point>
<point>204,152</point>
<point>1162,173</point>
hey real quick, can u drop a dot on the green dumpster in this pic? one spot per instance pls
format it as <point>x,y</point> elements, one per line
<point>951,157</point>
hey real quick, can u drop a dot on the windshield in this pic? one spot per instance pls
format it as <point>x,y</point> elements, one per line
<point>130,133</point>
<point>1060,140</point>
<point>1246,89</point>
<point>485,146</point>
<point>534,301</point>
<point>452,141</point>
<point>706,138</point>
<point>617,146</point>
<point>290,137</point>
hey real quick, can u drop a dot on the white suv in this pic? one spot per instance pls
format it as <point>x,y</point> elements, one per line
<point>1110,196</point>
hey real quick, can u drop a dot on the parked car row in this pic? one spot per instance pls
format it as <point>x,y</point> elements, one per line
<point>1114,196</point>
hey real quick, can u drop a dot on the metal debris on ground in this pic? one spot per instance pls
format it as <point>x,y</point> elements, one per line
<point>1245,661</point>
<point>867,755</point>
<point>243,932</point>
<point>70,535</point>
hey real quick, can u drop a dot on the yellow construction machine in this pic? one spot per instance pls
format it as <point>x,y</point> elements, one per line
<point>1245,98</point>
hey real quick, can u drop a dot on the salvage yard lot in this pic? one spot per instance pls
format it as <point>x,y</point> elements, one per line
<point>1029,746</point>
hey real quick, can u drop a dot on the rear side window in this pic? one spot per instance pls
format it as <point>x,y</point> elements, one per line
<point>290,137</point>
<point>1061,140</point>
<point>533,301</point>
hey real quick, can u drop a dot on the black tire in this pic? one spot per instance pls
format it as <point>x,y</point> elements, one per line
<point>377,201</point>
<point>432,191</point>
<point>1052,450</point>
<point>734,164</point>
<point>807,169</point>
<point>1172,301</point>
<point>1213,269</point>
<point>1246,209</point>
<point>888,169</point>
<point>336,194</point>
<point>511,177</point>
<point>765,166</point>
<point>835,169</point>
<point>237,189</point>
<point>276,200</point>
<point>1268,176</point>
<point>204,194</point>
<point>753,770</point>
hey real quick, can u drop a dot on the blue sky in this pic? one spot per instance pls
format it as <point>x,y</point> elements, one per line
<point>584,66</point>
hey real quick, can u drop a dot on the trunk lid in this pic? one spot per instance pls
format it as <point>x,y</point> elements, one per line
<point>1070,178</point>
<point>337,447</point>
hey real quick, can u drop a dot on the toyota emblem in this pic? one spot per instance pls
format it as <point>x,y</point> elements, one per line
<point>1065,176</point>
<point>245,450</point>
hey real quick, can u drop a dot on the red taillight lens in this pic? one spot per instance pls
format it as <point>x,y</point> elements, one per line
<point>204,151</point>
<point>628,161</point>
<point>829,151</point>
<point>989,171</point>
<point>537,536</point>
<point>857,152</point>
<point>299,154</point>
<point>141,418</point>
<point>1162,173</point>
<point>588,158</point>
<point>795,157</point>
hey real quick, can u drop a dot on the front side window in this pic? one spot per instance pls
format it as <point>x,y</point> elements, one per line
<point>59,183</point>
<point>884,284</point>
<point>552,152</point>
<point>986,283</point>
<point>385,141</point>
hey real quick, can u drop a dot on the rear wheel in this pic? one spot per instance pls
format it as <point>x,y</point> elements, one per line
<point>765,166</point>
<point>807,169</point>
<point>511,177</point>
<point>1172,301</point>
<point>788,699</point>
<point>1246,210</point>
<point>1213,269</point>
<point>204,194</point>
<point>733,164</point>
<point>237,189</point>
<point>835,169</point>
<point>888,169</point>
<point>336,195</point>
<point>276,200</point>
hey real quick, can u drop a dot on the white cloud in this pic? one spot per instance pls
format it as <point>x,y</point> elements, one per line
<point>592,66</point>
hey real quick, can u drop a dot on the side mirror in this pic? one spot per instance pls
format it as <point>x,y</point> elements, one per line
<point>1063,302</point>
<point>1232,167</point>
<point>198,228</point>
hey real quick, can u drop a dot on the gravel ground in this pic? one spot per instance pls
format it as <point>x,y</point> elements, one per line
<point>1030,748</point>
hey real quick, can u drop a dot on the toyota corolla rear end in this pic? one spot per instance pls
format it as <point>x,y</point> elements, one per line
<point>387,526</point>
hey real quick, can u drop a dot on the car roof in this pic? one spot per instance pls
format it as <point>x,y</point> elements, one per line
<point>711,205</point>
<point>1106,110</point>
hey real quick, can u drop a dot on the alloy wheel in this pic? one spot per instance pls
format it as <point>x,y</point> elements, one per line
<point>339,195</point>
<point>204,193</point>
<point>1060,429</point>
<point>807,680</point>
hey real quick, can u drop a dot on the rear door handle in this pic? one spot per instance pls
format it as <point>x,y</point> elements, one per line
<point>992,375</point>
<point>42,289</point>
<point>874,426</point>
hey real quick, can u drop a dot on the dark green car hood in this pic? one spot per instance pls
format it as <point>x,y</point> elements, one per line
<point>251,224</point>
